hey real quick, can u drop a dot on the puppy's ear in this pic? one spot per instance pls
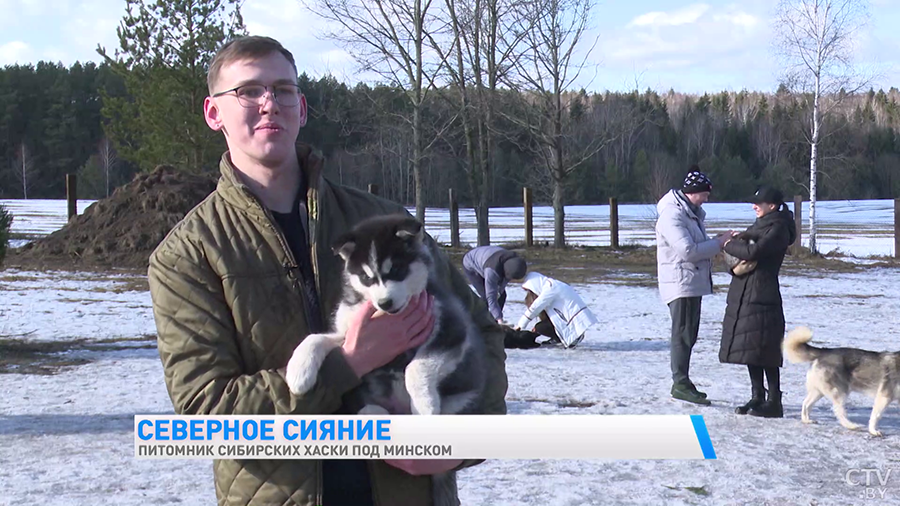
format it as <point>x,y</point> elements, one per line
<point>344,246</point>
<point>411,229</point>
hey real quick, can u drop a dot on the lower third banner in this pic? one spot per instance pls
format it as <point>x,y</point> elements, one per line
<point>619,437</point>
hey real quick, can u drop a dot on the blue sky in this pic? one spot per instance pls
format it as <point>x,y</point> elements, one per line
<point>688,46</point>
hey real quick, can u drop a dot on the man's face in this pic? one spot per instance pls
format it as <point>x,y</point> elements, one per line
<point>263,134</point>
<point>698,199</point>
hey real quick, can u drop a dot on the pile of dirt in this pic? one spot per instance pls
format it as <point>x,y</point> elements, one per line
<point>123,229</point>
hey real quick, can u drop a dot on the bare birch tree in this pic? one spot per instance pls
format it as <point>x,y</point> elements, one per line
<point>387,37</point>
<point>108,160</point>
<point>24,168</point>
<point>816,38</point>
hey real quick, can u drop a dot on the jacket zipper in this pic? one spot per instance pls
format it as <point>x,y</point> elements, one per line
<point>312,218</point>
<point>291,265</point>
<point>290,268</point>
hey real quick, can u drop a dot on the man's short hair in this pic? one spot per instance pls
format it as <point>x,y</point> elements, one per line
<point>244,48</point>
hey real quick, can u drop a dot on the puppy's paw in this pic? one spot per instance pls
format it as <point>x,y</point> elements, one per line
<point>809,421</point>
<point>853,426</point>
<point>373,409</point>
<point>303,367</point>
<point>876,433</point>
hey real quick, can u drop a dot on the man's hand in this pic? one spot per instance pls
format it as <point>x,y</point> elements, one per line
<point>424,467</point>
<point>375,338</point>
<point>724,237</point>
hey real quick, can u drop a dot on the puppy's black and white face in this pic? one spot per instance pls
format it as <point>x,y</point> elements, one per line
<point>385,261</point>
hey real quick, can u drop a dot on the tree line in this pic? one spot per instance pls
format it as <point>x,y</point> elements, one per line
<point>51,124</point>
<point>475,95</point>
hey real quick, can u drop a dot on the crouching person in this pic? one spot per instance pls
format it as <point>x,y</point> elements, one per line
<point>562,314</point>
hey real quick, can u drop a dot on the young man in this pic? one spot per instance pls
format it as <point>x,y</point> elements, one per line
<point>489,269</point>
<point>249,273</point>
<point>684,261</point>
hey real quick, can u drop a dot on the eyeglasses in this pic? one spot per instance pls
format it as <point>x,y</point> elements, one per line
<point>254,95</point>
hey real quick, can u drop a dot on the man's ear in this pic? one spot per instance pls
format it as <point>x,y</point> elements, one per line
<point>303,110</point>
<point>344,246</point>
<point>411,228</point>
<point>212,114</point>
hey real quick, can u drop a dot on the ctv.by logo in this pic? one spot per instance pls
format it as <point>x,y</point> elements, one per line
<point>873,481</point>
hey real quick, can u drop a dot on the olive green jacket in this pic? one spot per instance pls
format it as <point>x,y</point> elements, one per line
<point>229,311</point>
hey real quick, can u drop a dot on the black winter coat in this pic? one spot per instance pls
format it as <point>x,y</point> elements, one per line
<point>753,327</point>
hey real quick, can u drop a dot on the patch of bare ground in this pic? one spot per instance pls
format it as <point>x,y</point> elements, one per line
<point>18,356</point>
<point>636,265</point>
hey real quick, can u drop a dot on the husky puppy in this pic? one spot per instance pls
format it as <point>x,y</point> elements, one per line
<point>386,262</point>
<point>735,265</point>
<point>836,372</point>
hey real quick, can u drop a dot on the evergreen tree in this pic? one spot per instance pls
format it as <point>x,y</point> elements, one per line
<point>165,50</point>
<point>5,224</point>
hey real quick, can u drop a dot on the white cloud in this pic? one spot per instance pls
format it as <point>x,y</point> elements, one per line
<point>15,52</point>
<point>694,35</point>
<point>738,19</point>
<point>687,15</point>
<point>700,47</point>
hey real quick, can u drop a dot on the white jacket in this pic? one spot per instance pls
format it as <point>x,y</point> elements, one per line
<point>683,251</point>
<point>567,310</point>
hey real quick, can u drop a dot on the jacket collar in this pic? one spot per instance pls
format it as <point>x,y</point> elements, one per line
<point>693,211</point>
<point>235,192</point>
<point>783,216</point>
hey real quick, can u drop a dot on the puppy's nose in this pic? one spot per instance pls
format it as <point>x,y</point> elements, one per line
<point>386,305</point>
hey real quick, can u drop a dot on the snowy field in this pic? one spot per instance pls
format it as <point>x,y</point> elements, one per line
<point>67,438</point>
<point>854,227</point>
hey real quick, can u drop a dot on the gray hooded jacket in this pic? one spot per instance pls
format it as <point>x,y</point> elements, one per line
<point>683,250</point>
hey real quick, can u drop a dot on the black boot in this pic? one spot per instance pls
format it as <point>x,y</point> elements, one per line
<point>684,392</point>
<point>694,388</point>
<point>772,408</point>
<point>758,397</point>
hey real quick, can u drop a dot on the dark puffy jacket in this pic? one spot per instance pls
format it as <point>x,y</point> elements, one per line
<point>754,317</point>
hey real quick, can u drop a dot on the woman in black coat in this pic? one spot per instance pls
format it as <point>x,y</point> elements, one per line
<point>753,327</point>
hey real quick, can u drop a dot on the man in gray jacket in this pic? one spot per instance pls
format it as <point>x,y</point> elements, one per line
<point>684,260</point>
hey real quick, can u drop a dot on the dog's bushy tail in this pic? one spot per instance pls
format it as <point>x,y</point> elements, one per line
<point>796,348</point>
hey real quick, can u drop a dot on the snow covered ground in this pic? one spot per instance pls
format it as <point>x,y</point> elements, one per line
<point>35,217</point>
<point>855,227</point>
<point>67,438</point>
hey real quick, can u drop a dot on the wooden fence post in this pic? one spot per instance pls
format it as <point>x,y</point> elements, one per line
<point>529,223</point>
<point>72,195</point>
<point>896,228</point>
<point>454,221</point>
<point>373,189</point>
<point>614,223</point>
<point>798,223</point>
